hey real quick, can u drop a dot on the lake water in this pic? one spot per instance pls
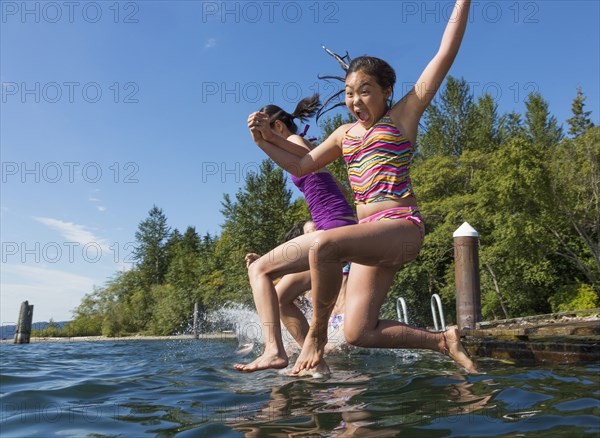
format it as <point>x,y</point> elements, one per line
<point>187,388</point>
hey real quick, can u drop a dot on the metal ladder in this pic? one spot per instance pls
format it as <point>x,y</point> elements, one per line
<point>435,300</point>
<point>401,310</point>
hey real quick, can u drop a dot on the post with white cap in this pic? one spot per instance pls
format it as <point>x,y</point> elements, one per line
<point>466,272</point>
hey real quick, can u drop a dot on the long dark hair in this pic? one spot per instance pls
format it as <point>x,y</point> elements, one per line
<point>384,75</point>
<point>295,231</point>
<point>306,108</point>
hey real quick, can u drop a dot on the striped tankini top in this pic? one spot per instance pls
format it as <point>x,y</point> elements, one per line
<point>378,163</point>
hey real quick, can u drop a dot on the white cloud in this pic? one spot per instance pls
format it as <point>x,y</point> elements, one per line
<point>100,208</point>
<point>72,232</point>
<point>210,43</point>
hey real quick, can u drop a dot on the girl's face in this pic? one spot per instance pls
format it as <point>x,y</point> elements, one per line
<point>278,127</point>
<point>365,99</point>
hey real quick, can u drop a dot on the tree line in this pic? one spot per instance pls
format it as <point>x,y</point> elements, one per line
<point>530,190</point>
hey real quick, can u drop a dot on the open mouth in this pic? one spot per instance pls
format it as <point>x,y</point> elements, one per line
<point>362,116</point>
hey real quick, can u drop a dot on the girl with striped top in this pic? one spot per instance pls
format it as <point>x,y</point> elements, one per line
<point>378,149</point>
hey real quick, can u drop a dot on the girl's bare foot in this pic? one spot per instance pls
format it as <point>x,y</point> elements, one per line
<point>264,362</point>
<point>452,347</point>
<point>251,258</point>
<point>317,372</point>
<point>311,354</point>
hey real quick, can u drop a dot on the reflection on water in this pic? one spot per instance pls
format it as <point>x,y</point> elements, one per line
<point>356,404</point>
<point>188,388</point>
<point>423,396</point>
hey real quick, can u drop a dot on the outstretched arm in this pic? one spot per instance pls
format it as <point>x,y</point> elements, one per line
<point>301,161</point>
<point>413,105</point>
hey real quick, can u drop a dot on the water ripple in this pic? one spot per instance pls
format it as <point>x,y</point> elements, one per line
<point>188,389</point>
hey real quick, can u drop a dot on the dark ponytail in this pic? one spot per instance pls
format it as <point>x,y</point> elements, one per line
<point>305,109</point>
<point>295,231</point>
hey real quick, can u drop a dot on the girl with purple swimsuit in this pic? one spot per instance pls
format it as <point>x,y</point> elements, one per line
<point>329,209</point>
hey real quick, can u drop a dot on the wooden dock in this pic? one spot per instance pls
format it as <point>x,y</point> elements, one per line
<point>562,338</point>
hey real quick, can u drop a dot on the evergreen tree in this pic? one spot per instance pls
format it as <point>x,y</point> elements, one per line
<point>255,222</point>
<point>151,250</point>
<point>191,241</point>
<point>486,126</point>
<point>175,238</point>
<point>541,127</point>
<point>511,126</point>
<point>580,122</point>
<point>449,121</point>
<point>258,218</point>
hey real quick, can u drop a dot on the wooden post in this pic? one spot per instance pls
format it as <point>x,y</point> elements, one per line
<point>196,312</point>
<point>24,326</point>
<point>466,270</point>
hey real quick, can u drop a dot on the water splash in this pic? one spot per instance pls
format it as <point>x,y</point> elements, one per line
<point>245,323</point>
<point>238,318</point>
<point>243,320</point>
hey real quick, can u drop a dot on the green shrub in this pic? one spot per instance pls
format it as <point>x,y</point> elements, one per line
<point>577,296</point>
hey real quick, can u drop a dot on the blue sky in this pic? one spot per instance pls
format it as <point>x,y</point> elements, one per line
<point>109,108</point>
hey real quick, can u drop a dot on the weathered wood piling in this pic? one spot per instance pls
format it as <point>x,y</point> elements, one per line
<point>196,316</point>
<point>23,333</point>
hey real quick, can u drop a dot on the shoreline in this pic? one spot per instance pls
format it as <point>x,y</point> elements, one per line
<point>201,336</point>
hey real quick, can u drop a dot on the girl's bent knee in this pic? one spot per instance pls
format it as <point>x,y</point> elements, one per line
<point>256,270</point>
<point>252,270</point>
<point>355,337</point>
<point>325,249</point>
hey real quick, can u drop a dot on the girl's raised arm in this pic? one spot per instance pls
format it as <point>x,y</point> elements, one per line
<point>412,106</point>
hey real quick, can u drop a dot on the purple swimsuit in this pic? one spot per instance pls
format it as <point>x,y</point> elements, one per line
<point>325,201</point>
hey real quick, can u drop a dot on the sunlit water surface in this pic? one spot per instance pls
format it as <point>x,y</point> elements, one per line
<point>188,388</point>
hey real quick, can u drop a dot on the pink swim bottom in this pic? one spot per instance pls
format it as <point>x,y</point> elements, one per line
<point>408,213</point>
